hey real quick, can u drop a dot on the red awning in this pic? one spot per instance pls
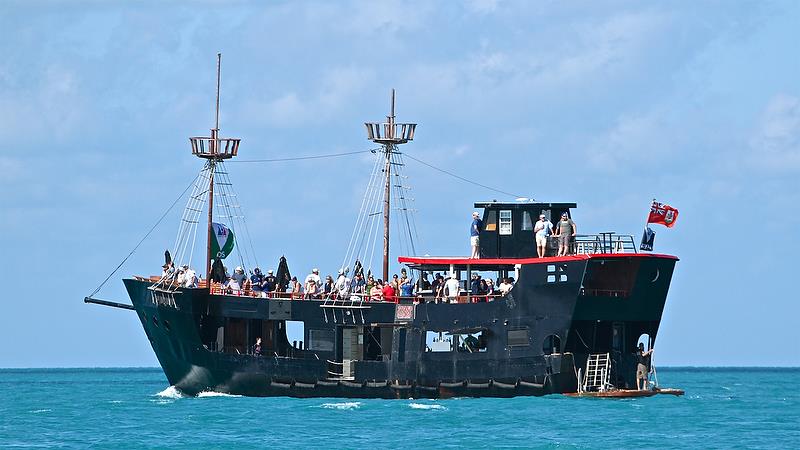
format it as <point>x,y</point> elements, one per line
<point>504,263</point>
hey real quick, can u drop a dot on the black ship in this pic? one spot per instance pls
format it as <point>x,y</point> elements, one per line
<point>570,323</point>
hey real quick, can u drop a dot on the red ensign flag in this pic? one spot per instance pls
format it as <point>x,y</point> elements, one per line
<point>664,214</point>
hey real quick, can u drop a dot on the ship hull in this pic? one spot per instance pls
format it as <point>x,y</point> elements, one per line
<point>204,342</point>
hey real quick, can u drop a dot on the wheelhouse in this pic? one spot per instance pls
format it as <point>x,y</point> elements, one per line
<point>508,227</point>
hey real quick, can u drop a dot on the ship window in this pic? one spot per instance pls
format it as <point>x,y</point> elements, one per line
<point>295,330</point>
<point>155,320</point>
<point>518,337</point>
<point>167,326</point>
<point>551,268</point>
<point>551,278</point>
<point>527,225</point>
<point>551,344</point>
<point>562,277</point>
<point>505,222</point>
<point>491,221</point>
<point>438,342</point>
<point>321,340</point>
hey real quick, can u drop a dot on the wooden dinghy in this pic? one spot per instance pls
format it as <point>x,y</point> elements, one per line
<point>627,393</point>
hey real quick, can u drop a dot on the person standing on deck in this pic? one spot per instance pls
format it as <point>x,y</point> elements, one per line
<point>565,230</point>
<point>270,282</point>
<point>474,233</point>
<point>389,292</point>
<point>642,366</point>
<point>342,284</point>
<point>452,287</point>
<point>542,230</point>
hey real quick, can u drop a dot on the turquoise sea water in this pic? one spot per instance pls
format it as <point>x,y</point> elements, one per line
<point>131,408</point>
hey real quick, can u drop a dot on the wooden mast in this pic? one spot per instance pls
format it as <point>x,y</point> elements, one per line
<point>214,146</point>
<point>389,134</point>
<point>387,192</point>
<point>214,149</point>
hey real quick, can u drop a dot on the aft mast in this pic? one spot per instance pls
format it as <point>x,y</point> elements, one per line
<point>389,134</point>
<point>214,149</point>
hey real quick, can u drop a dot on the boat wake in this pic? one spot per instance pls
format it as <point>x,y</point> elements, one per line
<point>170,392</point>
<point>425,406</point>
<point>345,406</point>
<point>215,394</point>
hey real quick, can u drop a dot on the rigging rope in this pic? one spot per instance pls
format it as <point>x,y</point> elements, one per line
<point>301,158</point>
<point>145,237</point>
<point>464,179</point>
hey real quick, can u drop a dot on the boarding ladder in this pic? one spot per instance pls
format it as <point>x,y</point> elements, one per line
<point>598,368</point>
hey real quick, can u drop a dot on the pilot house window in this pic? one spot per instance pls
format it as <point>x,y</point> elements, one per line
<point>527,224</point>
<point>505,222</point>
<point>491,221</point>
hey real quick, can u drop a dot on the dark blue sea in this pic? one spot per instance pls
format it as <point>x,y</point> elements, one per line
<point>136,408</point>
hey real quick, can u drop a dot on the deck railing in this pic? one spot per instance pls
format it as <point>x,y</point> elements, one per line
<point>589,244</point>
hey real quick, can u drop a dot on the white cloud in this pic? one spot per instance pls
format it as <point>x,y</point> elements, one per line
<point>482,6</point>
<point>776,143</point>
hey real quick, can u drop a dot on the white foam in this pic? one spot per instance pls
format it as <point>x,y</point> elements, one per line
<point>38,411</point>
<point>426,406</point>
<point>345,406</point>
<point>170,392</point>
<point>216,394</point>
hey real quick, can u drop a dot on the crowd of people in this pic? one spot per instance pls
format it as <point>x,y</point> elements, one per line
<point>440,290</point>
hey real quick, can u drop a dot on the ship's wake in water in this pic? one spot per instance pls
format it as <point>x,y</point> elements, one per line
<point>215,394</point>
<point>342,406</point>
<point>170,392</point>
<point>426,406</point>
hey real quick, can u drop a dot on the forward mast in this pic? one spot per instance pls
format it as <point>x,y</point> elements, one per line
<point>389,135</point>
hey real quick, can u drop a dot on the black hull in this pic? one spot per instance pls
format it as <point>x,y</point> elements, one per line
<point>187,330</point>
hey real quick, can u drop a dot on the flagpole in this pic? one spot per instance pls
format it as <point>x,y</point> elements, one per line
<point>647,222</point>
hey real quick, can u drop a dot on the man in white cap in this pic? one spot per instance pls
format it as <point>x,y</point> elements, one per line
<point>452,287</point>
<point>270,282</point>
<point>342,284</point>
<point>474,233</point>
<point>239,276</point>
<point>313,276</point>
<point>542,230</point>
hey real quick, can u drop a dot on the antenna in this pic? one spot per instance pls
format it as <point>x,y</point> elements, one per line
<point>389,135</point>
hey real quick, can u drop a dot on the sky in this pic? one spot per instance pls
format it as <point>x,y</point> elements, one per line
<point>606,104</point>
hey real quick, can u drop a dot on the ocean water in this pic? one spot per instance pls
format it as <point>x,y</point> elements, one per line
<point>136,408</point>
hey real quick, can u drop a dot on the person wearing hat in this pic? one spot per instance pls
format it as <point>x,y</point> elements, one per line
<point>313,290</point>
<point>542,230</point>
<point>270,282</point>
<point>342,284</point>
<point>239,276</point>
<point>257,280</point>
<point>474,235</point>
<point>190,277</point>
<point>452,288</point>
<point>565,230</point>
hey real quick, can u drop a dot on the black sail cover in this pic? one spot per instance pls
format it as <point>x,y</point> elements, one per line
<point>218,271</point>
<point>283,276</point>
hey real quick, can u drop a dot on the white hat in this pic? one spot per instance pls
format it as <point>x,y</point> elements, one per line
<point>315,270</point>
<point>475,214</point>
<point>238,269</point>
<point>269,271</point>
